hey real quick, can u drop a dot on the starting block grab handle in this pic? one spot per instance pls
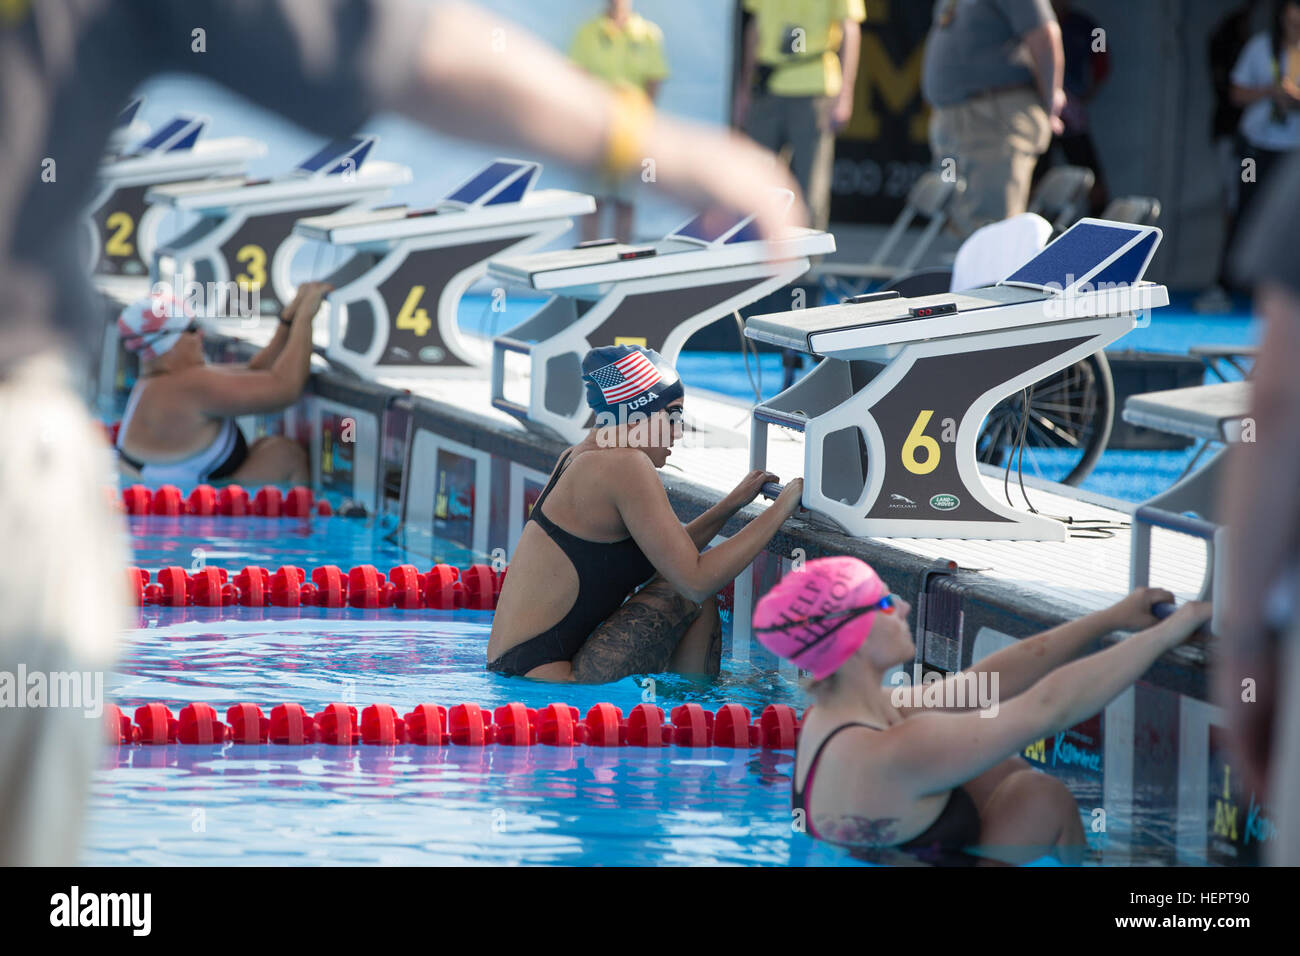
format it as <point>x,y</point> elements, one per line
<point>1146,518</point>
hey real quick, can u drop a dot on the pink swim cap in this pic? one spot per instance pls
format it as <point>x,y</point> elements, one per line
<point>824,586</point>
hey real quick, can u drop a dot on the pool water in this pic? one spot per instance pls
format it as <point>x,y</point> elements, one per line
<point>427,805</point>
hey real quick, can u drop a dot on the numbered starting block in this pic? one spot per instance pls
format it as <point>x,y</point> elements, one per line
<point>243,236</point>
<point>656,296</point>
<point>121,228</point>
<point>893,455</point>
<point>408,262</point>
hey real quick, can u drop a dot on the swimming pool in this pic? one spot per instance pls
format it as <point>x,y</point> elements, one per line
<point>408,804</point>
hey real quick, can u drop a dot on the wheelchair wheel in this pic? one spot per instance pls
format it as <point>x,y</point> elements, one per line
<point>1070,418</point>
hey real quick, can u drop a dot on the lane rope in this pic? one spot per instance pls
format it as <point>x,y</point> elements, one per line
<point>466,725</point>
<point>442,587</point>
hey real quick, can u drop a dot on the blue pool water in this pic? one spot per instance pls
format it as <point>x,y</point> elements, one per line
<point>428,805</point>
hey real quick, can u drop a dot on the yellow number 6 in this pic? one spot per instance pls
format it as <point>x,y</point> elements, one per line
<point>917,439</point>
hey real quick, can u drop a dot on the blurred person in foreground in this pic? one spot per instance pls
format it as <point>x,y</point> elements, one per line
<point>66,68</point>
<point>993,73</point>
<point>799,64</point>
<point>625,50</point>
<point>1258,667</point>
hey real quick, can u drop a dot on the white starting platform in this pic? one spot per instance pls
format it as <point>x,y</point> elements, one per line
<point>1216,415</point>
<point>655,295</point>
<point>121,227</point>
<point>407,261</point>
<point>893,454</point>
<point>243,225</point>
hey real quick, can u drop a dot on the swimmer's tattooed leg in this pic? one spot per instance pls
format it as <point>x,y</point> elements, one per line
<point>639,638</point>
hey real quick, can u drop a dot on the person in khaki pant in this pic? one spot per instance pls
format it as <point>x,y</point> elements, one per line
<point>799,64</point>
<point>993,75</point>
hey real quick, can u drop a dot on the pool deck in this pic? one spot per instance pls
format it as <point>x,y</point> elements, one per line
<point>1014,588</point>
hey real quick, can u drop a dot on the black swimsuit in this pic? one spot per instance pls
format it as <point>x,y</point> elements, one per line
<point>956,827</point>
<point>607,572</point>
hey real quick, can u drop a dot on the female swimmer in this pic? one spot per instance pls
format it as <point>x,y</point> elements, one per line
<point>603,525</point>
<point>179,426</point>
<point>890,772</point>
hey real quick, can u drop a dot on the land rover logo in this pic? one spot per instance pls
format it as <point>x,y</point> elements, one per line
<point>431,353</point>
<point>944,502</point>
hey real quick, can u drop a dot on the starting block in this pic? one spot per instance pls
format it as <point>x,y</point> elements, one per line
<point>1216,415</point>
<point>121,227</point>
<point>655,296</point>
<point>243,225</point>
<point>407,261</point>
<point>894,455</point>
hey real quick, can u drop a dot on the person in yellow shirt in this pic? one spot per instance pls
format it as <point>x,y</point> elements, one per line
<point>798,67</point>
<point>625,50</point>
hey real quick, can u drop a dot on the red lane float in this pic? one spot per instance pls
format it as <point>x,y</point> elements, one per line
<point>232,500</point>
<point>465,725</point>
<point>442,588</point>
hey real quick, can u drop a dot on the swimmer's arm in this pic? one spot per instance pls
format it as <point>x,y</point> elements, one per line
<point>302,309</point>
<point>224,392</point>
<point>267,356</point>
<point>1027,661</point>
<point>939,751</point>
<point>228,392</point>
<point>643,505</point>
<point>706,527</point>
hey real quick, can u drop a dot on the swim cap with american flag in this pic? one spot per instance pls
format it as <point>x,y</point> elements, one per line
<point>629,378</point>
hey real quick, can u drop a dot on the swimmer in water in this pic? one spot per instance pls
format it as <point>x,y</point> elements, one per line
<point>179,426</point>
<point>603,525</point>
<point>890,772</point>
